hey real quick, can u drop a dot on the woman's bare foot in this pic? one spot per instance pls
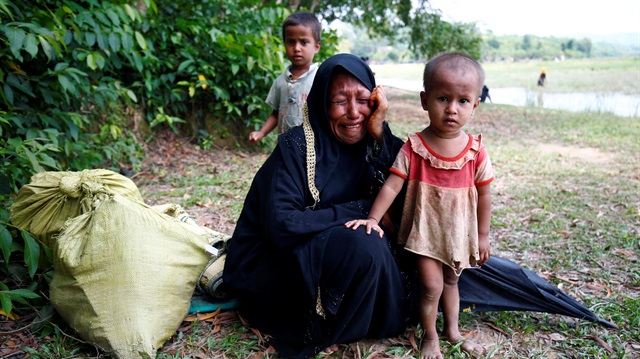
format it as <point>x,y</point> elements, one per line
<point>469,346</point>
<point>331,349</point>
<point>430,349</point>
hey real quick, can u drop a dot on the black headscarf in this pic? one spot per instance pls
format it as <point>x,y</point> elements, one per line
<point>330,152</point>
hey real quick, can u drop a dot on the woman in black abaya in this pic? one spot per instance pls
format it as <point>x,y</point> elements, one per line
<point>300,275</point>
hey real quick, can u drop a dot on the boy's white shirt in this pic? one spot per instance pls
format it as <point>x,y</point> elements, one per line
<point>288,97</point>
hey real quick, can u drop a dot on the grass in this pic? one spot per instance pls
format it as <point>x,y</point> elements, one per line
<point>566,205</point>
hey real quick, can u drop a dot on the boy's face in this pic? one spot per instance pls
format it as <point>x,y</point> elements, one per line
<point>451,100</point>
<point>300,45</point>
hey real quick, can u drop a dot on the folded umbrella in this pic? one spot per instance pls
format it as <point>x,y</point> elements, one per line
<point>503,285</point>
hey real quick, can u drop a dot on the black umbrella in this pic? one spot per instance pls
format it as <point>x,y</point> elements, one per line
<point>502,285</point>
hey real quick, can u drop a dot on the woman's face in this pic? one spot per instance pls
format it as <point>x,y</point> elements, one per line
<point>348,108</point>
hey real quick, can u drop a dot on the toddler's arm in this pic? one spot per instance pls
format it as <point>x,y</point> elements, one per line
<point>484,222</point>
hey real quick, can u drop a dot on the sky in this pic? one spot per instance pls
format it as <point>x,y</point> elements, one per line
<point>556,18</point>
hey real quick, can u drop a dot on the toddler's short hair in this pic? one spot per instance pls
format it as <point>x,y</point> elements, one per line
<point>456,60</point>
<point>306,19</point>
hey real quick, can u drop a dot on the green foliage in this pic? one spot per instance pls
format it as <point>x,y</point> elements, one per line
<point>58,74</point>
<point>17,247</point>
<point>426,32</point>
<point>210,58</point>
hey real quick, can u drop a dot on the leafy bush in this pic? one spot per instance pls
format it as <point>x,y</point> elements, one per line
<point>71,70</point>
<point>59,73</point>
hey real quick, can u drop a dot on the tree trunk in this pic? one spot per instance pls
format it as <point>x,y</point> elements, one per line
<point>314,4</point>
<point>294,5</point>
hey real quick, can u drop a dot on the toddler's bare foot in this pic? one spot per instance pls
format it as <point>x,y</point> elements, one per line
<point>430,349</point>
<point>470,347</point>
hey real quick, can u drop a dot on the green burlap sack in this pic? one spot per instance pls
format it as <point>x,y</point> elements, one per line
<point>210,281</point>
<point>51,198</point>
<point>124,275</point>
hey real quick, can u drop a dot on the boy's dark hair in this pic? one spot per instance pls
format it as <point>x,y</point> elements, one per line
<point>455,60</point>
<point>305,19</point>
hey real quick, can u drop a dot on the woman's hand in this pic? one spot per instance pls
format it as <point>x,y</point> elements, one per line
<point>370,223</point>
<point>378,102</point>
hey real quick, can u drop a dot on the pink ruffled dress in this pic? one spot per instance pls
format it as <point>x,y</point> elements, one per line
<point>439,218</point>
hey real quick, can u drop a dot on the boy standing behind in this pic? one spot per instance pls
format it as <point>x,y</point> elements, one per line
<point>301,34</point>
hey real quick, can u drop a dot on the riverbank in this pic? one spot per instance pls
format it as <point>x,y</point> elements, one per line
<point>587,85</point>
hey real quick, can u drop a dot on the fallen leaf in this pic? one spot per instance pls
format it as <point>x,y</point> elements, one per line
<point>205,203</point>
<point>602,343</point>
<point>10,316</point>
<point>470,334</point>
<point>184,329</point>
<point>216,329</point>
<point>495,327</point>
<point>599,286</point>
<point>557,337</point>
<point>412,340</point>
<point>567,280</point>
<point>202,317</point>
<point>626,252</point>
<point>375,354</point>
<point>258,334</point>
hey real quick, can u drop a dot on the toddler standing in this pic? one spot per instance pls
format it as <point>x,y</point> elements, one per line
<point>447,208</point>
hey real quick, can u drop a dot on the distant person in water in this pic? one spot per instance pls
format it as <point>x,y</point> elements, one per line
<point>542,77</point>
<point>485,94</point>
<point>541,80</point>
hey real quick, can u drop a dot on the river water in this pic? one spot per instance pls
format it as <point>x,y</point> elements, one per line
<point>618,104</point>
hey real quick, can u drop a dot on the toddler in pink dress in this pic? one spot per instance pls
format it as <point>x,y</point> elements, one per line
<point>447,208</point>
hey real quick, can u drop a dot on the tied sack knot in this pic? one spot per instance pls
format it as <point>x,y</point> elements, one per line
<point>75,186</point>
<point>70,186</point>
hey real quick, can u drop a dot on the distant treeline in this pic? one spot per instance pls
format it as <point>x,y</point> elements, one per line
<point>497,48</point>
<point>547,48</point>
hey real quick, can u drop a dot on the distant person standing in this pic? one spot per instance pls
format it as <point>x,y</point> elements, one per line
<point>541,80</point>
<point>485,94</point>
<point>542,77</point>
